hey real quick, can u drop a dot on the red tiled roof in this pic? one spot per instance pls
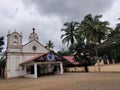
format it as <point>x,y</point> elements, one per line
<point>70,59</point>
<point>32,59</point>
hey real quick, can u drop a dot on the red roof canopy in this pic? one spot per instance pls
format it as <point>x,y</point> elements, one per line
<point>71,59</point>
<point>32,59</point>
<point>68,58</point>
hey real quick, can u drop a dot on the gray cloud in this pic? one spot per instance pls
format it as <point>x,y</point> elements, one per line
<point>69,9</point>
<point>48,16</point>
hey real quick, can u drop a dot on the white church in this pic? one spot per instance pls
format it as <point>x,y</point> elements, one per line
<point>31,59</point>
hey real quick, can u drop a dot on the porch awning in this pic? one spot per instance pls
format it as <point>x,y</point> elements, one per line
<point>43,58</point>
<point>71,60</point>
<point>32,59</point>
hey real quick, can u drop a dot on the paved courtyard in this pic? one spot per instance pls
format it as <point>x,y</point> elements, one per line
<point>67,81</point>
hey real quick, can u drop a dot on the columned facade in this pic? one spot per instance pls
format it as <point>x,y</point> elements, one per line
<point>37,69</point>
<point>61,68</point>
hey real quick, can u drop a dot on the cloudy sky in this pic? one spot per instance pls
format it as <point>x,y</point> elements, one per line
<point>48,16</point>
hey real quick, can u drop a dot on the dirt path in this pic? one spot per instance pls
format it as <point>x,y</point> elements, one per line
<point>68,81</point>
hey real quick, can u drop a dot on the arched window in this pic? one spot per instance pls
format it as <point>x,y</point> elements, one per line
<point>15,40</point>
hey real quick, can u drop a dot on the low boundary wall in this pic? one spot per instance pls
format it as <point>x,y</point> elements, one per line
<point>96,68</point>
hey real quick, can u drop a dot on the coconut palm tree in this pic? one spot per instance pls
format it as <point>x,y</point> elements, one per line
<point>116,32</point>
<point>93,29</point>
<point>70,33</point>
<point>50,44</point>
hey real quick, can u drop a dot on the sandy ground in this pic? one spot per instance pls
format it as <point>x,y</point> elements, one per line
<point>67,81</point>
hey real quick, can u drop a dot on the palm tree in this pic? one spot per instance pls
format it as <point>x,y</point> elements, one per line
<point>103,31</point>
<point>70,34</point>
<point>93,29</point>
<point>50,45</point>
<point>115,33</point>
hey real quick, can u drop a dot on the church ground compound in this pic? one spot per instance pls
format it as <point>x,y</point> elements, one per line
<point>30,60</point>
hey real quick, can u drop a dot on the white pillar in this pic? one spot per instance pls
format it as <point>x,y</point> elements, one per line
<point>25,70</point>
<point>108,61</point>
<point>61,68</point>
<point>35,70</point>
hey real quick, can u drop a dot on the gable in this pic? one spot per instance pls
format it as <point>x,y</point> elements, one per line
<point>16,33</point>
<point>34,47</point>
<point>47,57</point>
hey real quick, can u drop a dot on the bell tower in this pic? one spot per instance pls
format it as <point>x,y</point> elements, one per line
<point>14,40</point>
<point>14,53</point>
<point>33,36</point>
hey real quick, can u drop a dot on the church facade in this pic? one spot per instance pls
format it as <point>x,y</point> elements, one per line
<point>30,60</point>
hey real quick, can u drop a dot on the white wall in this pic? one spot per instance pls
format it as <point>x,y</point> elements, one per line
<point>17,54</point>
<point>40,48</point>
<point>103,68</point>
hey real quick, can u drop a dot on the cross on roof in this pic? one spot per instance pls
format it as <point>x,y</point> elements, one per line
<point>33,30</point>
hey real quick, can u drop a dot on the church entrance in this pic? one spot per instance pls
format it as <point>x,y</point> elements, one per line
<point>41,65</point>
<point>46,69</point>
<point>43,68</point>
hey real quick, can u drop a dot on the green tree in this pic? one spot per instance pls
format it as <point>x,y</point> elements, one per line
<point>3,60</point>
<point>115,34</point>
<point>93,29</point>
<point>50,45</point>
<point>63,52</point>
<point>113,44</point>
<point>1,43</point>
<point>70,33</point>
<point>83,53</point>
<point>85,36</point>
<point>3,55</point>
